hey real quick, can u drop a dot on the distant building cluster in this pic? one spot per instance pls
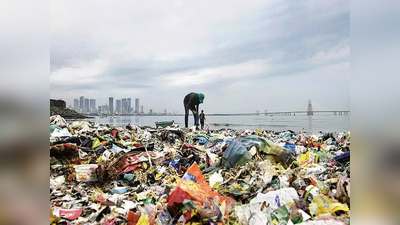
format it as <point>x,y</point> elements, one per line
<point>85,105</point>
<point>122,106</point>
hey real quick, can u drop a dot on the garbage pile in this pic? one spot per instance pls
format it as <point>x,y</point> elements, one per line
<point>140,175</point>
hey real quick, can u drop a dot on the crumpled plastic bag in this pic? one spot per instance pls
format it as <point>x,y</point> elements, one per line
<point>280,215</point>
<point>57,182</point>
<point>60,133</point>
<point>215,178</point>
<point>58,120</point>
<point>308,158</point>
<point>235,154</point>
<point>324,205</point>
<point>192,186</point>
<point>251,214</point>
<point>276,198</point>
<point>274,151</point>
<point>98,195</point>
<point>71,214</point>
<point>202,140</point>
<point>54,127</point>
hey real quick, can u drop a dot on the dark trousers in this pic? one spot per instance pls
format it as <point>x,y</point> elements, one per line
<point>202,124</point>
<point>187,116</point>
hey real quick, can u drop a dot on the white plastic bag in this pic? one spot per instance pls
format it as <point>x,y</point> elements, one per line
<point>215,178</point>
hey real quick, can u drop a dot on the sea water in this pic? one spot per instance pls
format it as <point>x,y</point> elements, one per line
<point>299,122</point>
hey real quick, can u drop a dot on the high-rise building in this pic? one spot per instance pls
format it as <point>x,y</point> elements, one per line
<point>137,106</point>
<point>111,105</point>
<point>151,111</point>
<point>86,105</point>
<point>104,109</point>
<point>93,104</point>
<point>118,106</point>
<point>165,111</point>
<point>129,105</point>
<point>124,105</point>
<point>141,112</point>
<point>99,110</point>
<point>76,104</point>
<point>81,103</point>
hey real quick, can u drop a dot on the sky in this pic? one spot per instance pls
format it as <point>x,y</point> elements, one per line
<point>243,55</point>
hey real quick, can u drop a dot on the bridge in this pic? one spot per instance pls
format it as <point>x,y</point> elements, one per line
<point>308,112</point>
<point>284,113</point>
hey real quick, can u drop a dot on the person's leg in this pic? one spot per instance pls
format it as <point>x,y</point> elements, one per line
<point>202,125</point>
<point>186,116</point>
<point>196,122</point>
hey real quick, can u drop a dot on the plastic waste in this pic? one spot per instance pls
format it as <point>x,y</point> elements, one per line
<point>86,172</point>
<point>58,120</point>
<point>57,182</point>
<point>60,133</point>
<point>235,154</point>
<point>54,127</point>
<point>280,215</point>
<point>275,199</point>
<point>216,178</point>
<point>172,175</point>
<point>290,146</point>
<point>253,213</point>
<point>119,190</point>
<point>96,142</point>
<point>71,214</point>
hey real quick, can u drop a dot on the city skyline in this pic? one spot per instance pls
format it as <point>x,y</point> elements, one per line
<point>122,106</point>
<point>118,105</point>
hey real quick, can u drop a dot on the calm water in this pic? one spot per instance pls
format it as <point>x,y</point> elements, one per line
<point>317,122</point>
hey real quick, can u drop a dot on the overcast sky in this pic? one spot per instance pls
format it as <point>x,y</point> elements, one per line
<point>243,55</point>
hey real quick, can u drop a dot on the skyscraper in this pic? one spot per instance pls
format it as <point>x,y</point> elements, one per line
<point>129,105</point>
<point>118,106</point>
<point>104,109</point>
<point>142,110</point>
<point>86,105</point>
<point>111,105</point>
<point>137,106</point>
<point>76,104</point>
<point>93,104</point>
<point>81,103</point>
<point>124,105</point>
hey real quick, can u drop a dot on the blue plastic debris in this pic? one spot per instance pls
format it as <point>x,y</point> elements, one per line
<point>202,140</point>
<point>291,147</point>
<point>117,148</point>
<point>120,190</point>
<point>189,176</point>
<point>345,157</point>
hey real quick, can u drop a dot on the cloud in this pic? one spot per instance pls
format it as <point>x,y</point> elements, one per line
<point>147,50</point>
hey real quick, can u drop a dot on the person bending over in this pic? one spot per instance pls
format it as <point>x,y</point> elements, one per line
<point>192,102</point>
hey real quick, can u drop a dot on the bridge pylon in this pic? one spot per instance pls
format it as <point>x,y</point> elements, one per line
<point>310,111</point>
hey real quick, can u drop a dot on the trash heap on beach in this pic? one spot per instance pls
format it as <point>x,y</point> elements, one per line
<point>100,174</point>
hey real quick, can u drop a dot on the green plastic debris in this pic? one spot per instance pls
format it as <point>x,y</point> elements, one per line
<point>53,127</point>
<point>96,142</point>
<point>189,205</point>
<point>297,220</point>
<point>202,166</point>
<point>149,200</point>
<point>280,214</point>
